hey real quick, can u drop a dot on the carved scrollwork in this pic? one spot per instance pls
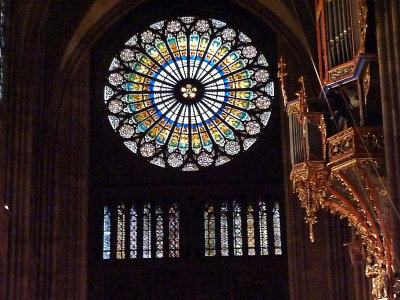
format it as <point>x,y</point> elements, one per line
<point>340,72</point>
<point>377,272</point>
<point>348,184</point>
<point>372,141</point>
<point>342,147</point>
<point>310,183</point>
<point>355,142</point>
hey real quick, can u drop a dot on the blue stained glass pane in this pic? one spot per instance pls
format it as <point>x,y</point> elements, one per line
<point>106,233</point>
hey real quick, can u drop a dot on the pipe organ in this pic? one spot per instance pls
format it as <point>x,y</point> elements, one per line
<point>341,167</point>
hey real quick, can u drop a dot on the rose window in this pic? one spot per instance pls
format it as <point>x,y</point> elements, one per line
<point>189,93</point>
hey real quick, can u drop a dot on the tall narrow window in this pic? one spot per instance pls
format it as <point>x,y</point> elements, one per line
<point>251,241</point>
<point>173,228</point>
<point>209,226</point>
<point>106,233</point>
<point>262,217</point>
<point>159,233</point>
<point>237,230</point>
<point>224,230</point>
<point>147,231</point>
<point>121,232</point>
<point>277,230</point>
<point>133,232</point>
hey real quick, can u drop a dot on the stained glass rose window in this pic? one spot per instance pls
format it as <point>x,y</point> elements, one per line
<point>189,93</point>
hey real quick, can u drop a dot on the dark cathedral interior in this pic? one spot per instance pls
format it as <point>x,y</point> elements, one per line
<point>186,149</point>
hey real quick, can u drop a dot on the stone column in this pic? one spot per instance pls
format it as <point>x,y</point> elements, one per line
<point>388,39</point>
<point>71,182</point>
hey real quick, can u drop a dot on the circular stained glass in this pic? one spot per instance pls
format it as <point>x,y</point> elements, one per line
<point>189,93</point>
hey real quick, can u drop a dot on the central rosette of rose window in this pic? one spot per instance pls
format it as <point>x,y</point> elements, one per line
<point>189,91</point>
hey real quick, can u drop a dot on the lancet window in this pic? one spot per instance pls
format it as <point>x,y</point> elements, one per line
<point>144,230</point>
<point>152,230</point>
<point>173,229</point>
<point>239,229</point>
<point>277,230</point>
<point>209,231</point>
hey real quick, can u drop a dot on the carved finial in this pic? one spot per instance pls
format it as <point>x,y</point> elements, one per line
<point>281,74</point>
<point>302,96</point>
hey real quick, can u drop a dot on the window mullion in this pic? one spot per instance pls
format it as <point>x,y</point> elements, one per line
<point>114,231</point>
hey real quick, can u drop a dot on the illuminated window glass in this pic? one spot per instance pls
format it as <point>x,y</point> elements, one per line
<point>188,93</point>
<point>237,229</point>
<point>121,232</point>
<point>147,231</point>
<point>133,232</point>
<point>251,240</point>
<point>224,230</point>
<point>173,231</point>
<point>262,217</point>
<point>159,233</point>
<point>277,230</point>
<point>209,226</point>
<point>127,231</point>
<point>242,230</point>
<point>106,233</point>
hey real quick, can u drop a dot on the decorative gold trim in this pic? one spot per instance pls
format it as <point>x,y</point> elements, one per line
<point>310,183</point>
<point>299,106</point>
<point>363,12</point>
<point>361,142</point>
<point>346,184</point>
<point>377,272</point>
<point>365,215</point>
<point>342,71</point>
<point>366,81</point>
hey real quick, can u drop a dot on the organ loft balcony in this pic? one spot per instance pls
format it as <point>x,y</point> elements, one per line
<point>343,173</point>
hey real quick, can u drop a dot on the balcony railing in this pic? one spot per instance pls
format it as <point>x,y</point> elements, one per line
<point>355,142</point>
